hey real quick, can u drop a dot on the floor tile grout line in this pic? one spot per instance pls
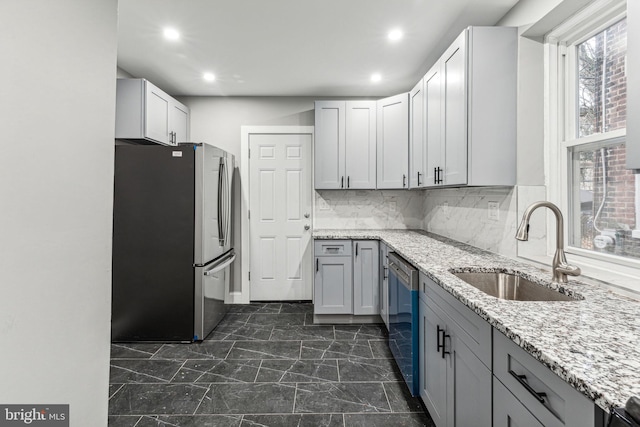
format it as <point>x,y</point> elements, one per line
<point>202,399</point>
<point>295,397</point>
<point>163,381</point>
<point>255,379</point>
<point>179,369</point>
<point>338,369</point>
<point>233,344</point>
<point>384,389</point>
<point>114,393</point>
<point>139,419</point>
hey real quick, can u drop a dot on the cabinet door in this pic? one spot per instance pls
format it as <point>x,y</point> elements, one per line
<point>454,91</point>
<point>434,386</point>
<point>333,285</point>
<point>360,158</point>
<point>157,114</point>
<point>471,387</point>
<point>365,277</point>
<point>416,136</point>
<point>508,411</point>
<point>384,284</point>
<point>329,145</point>
<point>179,122</point>
<point>393,142</point>
<point>433,125</point>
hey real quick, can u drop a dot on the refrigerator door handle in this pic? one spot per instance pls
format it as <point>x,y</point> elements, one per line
<point>220,267</point>
<point>227,204</point>
<point>220,199</point>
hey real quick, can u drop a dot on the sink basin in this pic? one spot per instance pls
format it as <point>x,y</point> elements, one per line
<point>510,287</point>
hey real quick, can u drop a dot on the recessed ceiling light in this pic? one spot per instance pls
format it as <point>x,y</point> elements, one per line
<point>171,34</point>
<point>376,77</point>
<point>395,35</point>
<point>209,77</point>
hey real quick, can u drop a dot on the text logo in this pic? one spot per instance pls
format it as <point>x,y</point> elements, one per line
<point>34,415</point>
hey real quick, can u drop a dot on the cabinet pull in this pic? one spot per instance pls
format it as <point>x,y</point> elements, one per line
<point>435,175</point>
<point>385,275</point>
<point>442,346</point>
<point>317,267</point>
<point>522,379</point>
<point>356,248</point>
<point>438,177</point>
<point>419,179</point>
<point>342,182</point>
<point>348,184</point>
<point>404,180</point>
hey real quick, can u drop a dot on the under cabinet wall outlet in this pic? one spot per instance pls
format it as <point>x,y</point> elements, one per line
<point>493,211</point>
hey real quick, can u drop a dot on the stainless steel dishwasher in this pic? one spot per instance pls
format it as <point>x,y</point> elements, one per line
<point>403,318</point>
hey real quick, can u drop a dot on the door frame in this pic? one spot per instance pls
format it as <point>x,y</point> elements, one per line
<point>244,295</point>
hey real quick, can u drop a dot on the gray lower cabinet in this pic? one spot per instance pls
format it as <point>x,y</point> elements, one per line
<point>508,411</point>
<point>346,277</point>
<point>455,385</point>
<point>332,291</point>
<point>383,290</point>
<point>548,398</point>
<point>365,277</point>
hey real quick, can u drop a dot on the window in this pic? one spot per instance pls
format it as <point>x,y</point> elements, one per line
<point>586,146</point>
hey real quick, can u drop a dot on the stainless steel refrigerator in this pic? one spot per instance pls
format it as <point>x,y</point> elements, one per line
<point>172,243</point>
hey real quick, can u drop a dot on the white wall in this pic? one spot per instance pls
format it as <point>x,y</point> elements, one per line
<point>56,186</point>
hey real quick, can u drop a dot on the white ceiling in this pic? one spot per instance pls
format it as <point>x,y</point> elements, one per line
<point>292,47</point>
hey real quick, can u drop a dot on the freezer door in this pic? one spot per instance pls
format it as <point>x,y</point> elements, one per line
<point>214,172</point>
<point>211,286</point>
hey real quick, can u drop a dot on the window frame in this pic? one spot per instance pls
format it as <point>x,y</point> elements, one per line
<point>561,124</point>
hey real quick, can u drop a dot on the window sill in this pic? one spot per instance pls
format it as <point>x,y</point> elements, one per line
<point>624,281</point>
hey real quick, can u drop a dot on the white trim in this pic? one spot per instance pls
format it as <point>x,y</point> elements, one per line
<point>244,295</point>
<point>560,135</point>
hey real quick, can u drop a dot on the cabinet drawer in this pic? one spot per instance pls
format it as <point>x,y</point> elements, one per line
<point>473,330</point>
<point>332,248</point>
<point>508,411</point>
<point>524,376</point>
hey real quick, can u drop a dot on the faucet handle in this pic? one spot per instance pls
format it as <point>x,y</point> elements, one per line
<point>570,270</point>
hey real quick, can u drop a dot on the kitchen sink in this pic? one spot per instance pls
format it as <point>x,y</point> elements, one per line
<point>510,287</point>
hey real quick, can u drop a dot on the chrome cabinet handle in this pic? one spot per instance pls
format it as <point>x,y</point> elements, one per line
<point>522,379</point>
<point>342,182</point>
<point>404,180</point>
<point>419,179</point>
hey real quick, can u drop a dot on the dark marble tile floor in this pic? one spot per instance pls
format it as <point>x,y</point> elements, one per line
<point>266,364</point>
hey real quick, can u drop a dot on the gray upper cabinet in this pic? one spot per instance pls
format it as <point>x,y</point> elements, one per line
<point>470,110</point>
<point>145,112</point>
<point>417,147</point>
<point>345,145</point>
<point>393,142</point>
<point>366,297</point>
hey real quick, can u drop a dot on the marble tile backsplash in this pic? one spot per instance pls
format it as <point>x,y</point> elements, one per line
<point>463,214</point>
<point>369,209</point>
<point>457,213</point>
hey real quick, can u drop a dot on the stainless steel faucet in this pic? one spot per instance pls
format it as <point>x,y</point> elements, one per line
<point>560,266</point>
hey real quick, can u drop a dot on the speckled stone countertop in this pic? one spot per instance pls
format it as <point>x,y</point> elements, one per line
<point>592,343</point>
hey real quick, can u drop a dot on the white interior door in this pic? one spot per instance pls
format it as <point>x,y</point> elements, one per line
<point>280,216</point>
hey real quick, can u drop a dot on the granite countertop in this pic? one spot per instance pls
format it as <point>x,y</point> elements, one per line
<point>592,343</point>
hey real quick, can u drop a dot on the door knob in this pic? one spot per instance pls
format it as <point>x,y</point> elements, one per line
<point>306,215</point>
<point>306,227</point>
